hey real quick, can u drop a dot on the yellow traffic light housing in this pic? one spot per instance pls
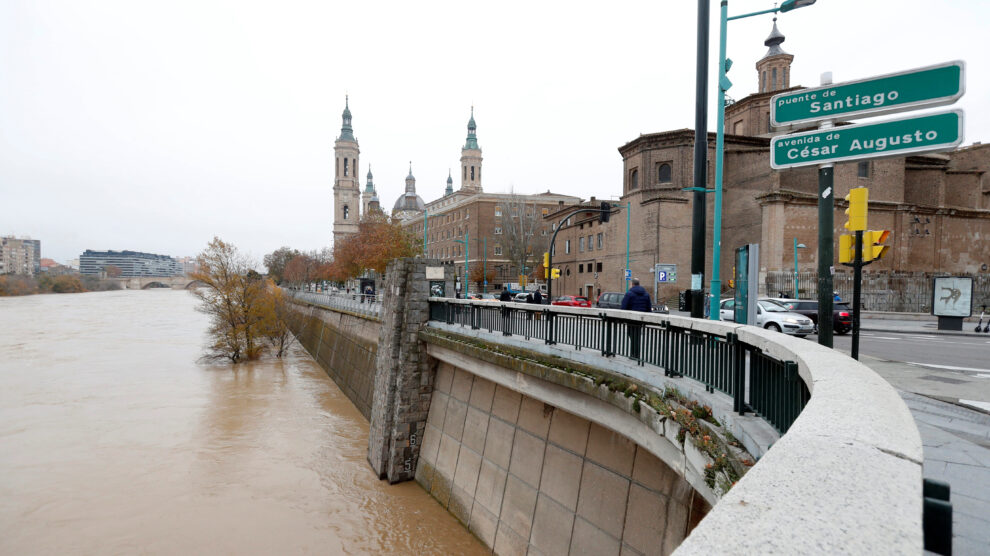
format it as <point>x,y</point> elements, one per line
<point>546,259</point>
<point>873,247</point>
<point>847,248</point>
<point>555,273</point>
<point>858,199</point>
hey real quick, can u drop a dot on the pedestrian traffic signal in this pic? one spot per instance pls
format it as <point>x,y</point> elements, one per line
<point>555,273</point>
<point>858,199</point>
<point>546,259</point>
<point>873,247</point>
<point>847,248</point>
<point>606,211</point>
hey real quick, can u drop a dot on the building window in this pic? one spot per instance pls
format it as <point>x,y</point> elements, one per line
<point>347,210</point>
<point>599,244</point>
<point>773,79</point>
<point>543,232</point>
<point>580,269</point>
<point>498,210</point>
<point>763,81</point>
<point>581,244</point>
<point>567,271</point>
<point>863,169</point>
<point>472,173</point>
<point>546,211</point>
<point>498,249</point>
<point>634,179</point>
<point>345,167</point>
<point>664,173</point>
<point>590,247</point>
<point>465,173</point>
<point>498,230</point>
<point>598,267</point>
<point>567,247</point>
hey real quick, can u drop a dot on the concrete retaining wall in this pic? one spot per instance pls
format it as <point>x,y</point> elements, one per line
<point>345,345</point>
<point>525,476</point>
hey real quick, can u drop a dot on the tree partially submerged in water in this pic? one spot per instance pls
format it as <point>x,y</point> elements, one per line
<point>247,313</point>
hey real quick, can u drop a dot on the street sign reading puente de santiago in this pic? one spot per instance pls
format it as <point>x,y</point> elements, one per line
<point>925,87</point>
<point>899,137</point>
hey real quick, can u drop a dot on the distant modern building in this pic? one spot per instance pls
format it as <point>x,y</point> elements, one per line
<point>188,264</point>
<point>20,256</point>
<point>131,263</point>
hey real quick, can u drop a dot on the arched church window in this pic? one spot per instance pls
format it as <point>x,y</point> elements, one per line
<point>634,179</point>
<point>345,167</point>
<point>347,211</point>
<point>472,173</point>
<point>763,81</point>
<point>773,79</point>
<point>664,173</point>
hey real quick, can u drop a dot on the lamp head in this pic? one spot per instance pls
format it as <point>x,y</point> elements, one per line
<point>789,5</point>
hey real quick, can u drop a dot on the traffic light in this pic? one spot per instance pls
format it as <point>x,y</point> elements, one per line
<point>546,259</point>
<point>858,206</point>
<point>847,248</point>
<point>606,211</point>
<point>555,273</point>
<point>873,247</point>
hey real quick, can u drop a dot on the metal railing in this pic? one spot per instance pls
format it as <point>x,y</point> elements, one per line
<point>757,382</point>
<point>354,302</point>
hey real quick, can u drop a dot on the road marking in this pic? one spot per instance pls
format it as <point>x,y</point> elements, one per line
<point>884,338</point>
<point>949,367</point>
<point>983,405</point>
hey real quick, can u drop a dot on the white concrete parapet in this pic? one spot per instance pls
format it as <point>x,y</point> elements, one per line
<point>847,476</point>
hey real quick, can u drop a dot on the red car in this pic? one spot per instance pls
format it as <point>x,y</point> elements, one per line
<point>572,301</point>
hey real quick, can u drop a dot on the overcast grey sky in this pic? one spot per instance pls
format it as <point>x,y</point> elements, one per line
<point>154,126</point>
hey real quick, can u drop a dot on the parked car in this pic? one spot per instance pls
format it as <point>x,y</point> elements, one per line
<point>610,300</point>
<point>841,313</point>
<point>572,301</point>
<point>772,316</point>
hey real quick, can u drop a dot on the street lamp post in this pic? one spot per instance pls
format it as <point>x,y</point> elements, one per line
<point>467,269</point>
<point>723,85</point>
<point>796,247</point>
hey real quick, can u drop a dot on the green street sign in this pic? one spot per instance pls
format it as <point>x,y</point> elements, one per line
<point>885,94</point>
<point>900,137</point>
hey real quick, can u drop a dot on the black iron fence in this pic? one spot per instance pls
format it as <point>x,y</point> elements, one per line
<point>756,381</point>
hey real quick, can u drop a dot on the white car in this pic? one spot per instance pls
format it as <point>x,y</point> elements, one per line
<point>772,316</point>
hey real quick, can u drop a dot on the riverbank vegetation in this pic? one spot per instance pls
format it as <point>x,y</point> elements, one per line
<point>16,284</point>
<point>379,240</point>
<point>249,315</point>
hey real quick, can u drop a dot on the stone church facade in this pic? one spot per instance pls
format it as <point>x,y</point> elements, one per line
<point>937,206</point>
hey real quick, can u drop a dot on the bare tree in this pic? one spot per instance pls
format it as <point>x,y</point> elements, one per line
<point>521,223</point>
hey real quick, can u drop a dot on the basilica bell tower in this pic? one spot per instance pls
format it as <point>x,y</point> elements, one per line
<point>346,186</point>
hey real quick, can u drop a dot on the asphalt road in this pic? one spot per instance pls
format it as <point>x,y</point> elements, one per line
<point>959,352</point>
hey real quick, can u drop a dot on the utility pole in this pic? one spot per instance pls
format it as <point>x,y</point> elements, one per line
<point>826,235</point>
<point>700,165</point>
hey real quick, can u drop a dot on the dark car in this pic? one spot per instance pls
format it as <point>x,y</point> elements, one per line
<point>610,300</point>
<point>841,313</point>
<point>613,300</point>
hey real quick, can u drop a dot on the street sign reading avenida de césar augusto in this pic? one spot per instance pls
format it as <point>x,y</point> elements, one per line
<point>897,92</point>
<point>900,137</point>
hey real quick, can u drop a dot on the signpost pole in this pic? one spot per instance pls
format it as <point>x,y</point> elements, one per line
<point>857,288</point>
<point>700,165</point>
<point>826,233</point>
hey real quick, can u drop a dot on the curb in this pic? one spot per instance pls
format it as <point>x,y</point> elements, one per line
<point>962,333</point>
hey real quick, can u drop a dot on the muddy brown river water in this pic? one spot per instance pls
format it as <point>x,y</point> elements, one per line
<point>114,439</point>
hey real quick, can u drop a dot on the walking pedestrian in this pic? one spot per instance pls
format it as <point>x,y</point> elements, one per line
<point>536,298</point>
<point>636,299</point>
<point>505,295</point>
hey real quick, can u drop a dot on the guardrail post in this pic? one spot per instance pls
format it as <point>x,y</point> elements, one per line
<point>737,360</point>
<point>474,317</point>
<point>937,517</point>
<point>607,331</point>
<point>792,395</point>
<point>448,312</point>
<point>550,317</point>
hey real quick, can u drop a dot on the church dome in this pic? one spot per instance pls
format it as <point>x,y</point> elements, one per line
<point>409,201</point>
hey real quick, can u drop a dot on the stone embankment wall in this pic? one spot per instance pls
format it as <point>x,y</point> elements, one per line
<point>346,347</point>
<point>526,476</point>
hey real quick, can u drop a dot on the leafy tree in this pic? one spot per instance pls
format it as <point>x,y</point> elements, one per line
<point>234,301</point>
<point>280,318</point>
<point>521,223</point>
<point>276,260</point>
<point>379,240</point>
<point>479,274</point>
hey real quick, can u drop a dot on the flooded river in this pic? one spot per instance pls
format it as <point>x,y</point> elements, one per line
<point>114,439</point>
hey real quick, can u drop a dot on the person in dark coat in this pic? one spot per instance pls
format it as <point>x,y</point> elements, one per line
<point>536,298</point>
<point>505,295</point>
<point>636,299</point>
